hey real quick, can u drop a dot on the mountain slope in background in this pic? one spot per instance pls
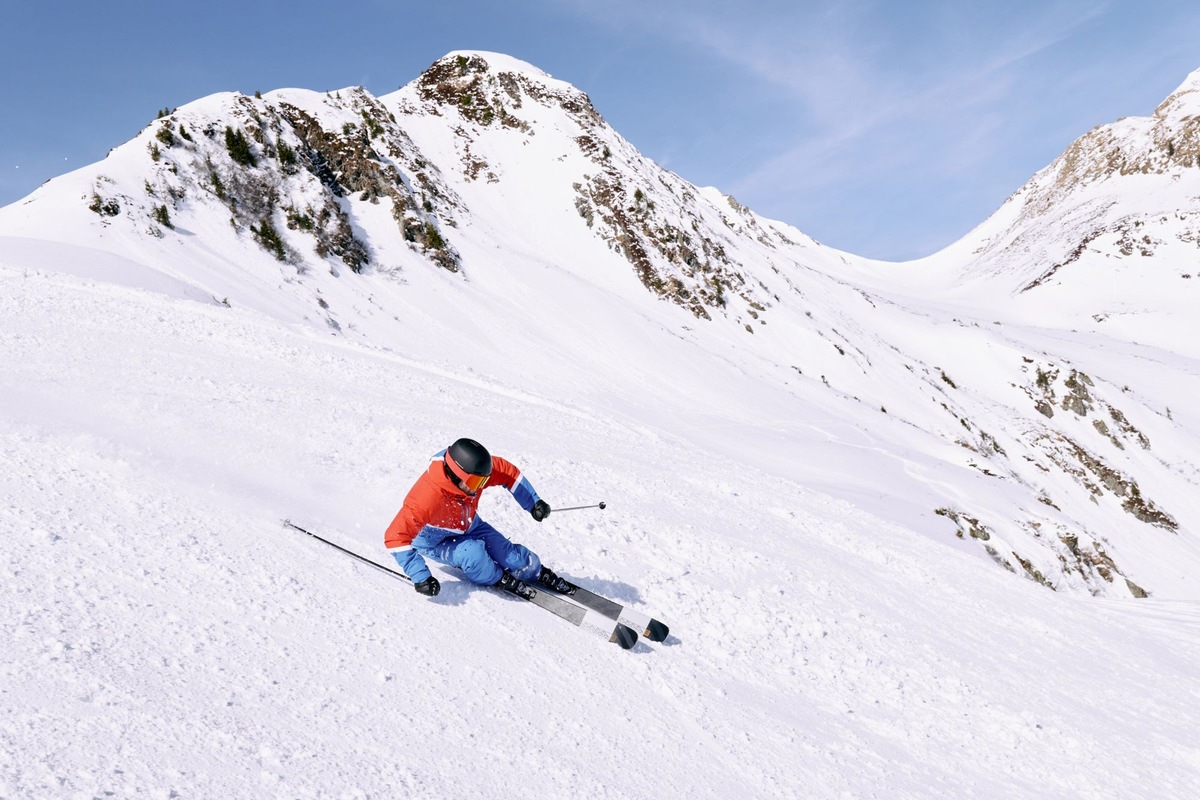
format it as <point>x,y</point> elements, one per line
<point>1107,237</point>
<point>821,470</point>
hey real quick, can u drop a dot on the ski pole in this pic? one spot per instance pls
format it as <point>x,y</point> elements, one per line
<point>599,505</point>
<point>351,553</point>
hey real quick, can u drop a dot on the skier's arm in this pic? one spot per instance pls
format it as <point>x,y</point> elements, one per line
<point>398,541</point>
<point>506,474</point>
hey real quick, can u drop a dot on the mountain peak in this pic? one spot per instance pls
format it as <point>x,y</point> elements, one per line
<point>477,61</point>
<point>491,87</point>
<point>1184,101</point>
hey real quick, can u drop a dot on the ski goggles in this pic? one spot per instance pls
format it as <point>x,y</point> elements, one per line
<point>473,483</point>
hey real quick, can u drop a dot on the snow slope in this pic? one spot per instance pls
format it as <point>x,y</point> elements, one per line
<point>842,490</point>
<point>167,636</point>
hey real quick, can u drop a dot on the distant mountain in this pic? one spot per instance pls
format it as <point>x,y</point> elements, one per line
<point>486,217</point>
<point>1109,230</point>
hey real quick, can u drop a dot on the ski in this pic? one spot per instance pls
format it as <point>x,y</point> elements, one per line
<point>586,619</point>
<point>651,628</point>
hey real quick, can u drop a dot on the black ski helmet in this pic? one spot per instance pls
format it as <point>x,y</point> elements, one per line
<point>469,464</point>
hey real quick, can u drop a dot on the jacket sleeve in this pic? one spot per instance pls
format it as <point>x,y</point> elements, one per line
<point>506,474</point>
<point>398,541</point>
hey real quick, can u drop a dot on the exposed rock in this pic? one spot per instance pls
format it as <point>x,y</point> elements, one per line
<point>1102,428</point>
<point>346,163</point>
<point>1078,461</point>
<point>485,96</point>
<point>1032,571</point>
<point>1078,399</point>
<point>966,524</point>
<point>1128,429</point>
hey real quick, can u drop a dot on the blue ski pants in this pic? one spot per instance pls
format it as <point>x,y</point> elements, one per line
<point>483,553</point>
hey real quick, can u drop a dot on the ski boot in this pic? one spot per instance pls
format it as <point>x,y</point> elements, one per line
<point>551,581</point>
<point>513,586</point>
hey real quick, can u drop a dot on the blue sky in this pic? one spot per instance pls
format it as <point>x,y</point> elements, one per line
<point>887,129</point>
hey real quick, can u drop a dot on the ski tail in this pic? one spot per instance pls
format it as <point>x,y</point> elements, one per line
<point>656,631</point>
<point>625,636</point>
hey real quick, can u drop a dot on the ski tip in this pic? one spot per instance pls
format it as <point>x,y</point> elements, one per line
<point>624,636</point>
<point>656,631</point>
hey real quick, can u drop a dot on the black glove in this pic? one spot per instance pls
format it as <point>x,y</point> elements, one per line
<point>540,510</point>
<point>429,587</point>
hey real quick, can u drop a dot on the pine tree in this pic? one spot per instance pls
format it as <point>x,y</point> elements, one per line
<point>239,147</point>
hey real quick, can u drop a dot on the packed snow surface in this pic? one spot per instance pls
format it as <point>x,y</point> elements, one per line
<point>166,636</point>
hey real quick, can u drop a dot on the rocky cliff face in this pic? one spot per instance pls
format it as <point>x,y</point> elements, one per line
<point>676,238</point>
<point>283,166</point>
<point>1165,144</point>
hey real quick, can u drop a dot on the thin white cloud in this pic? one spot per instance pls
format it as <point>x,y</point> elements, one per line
<point>827,62</point>
<point>852,99</point>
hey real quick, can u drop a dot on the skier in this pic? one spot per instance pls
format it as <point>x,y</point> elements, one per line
<point>438,520</point>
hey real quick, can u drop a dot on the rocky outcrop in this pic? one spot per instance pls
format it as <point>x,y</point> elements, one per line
<point>653,219</point>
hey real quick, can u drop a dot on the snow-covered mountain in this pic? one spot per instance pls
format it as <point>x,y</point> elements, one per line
<point>1106,237</point>
<point>830,475</point>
